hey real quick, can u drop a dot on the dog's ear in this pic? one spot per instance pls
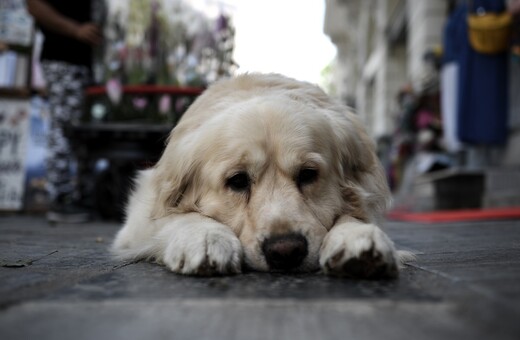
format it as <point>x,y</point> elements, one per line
<point>362,174</point>
<point>174,178</point>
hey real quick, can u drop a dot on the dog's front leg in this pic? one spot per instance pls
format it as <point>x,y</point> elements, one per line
<point>358,250</point>
<point>193,244</point>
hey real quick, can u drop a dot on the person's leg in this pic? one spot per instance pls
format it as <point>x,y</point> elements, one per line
<point>65,85</point>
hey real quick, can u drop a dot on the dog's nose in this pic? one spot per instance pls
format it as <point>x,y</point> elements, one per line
<point>285,252</point>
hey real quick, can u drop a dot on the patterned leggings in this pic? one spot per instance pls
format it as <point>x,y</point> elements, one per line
<point>65,86</point>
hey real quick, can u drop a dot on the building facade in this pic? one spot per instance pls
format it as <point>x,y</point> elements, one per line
<point>382,50</point>
<point>380,47</point>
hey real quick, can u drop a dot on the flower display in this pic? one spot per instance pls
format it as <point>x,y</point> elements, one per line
<point>158,43</point>
<point>167,42</point>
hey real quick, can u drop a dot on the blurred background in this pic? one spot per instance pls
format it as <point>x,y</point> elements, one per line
<point>437,84</point>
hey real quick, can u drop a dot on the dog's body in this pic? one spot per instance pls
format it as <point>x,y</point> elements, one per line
<point>264,171</point>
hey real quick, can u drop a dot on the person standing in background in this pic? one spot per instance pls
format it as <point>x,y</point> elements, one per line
<point>482,91</point>
<point>70,36</point>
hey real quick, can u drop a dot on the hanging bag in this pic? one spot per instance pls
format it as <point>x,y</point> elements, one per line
<point>489,33</point>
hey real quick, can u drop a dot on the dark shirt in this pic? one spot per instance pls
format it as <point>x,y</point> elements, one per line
<point>59,47</point>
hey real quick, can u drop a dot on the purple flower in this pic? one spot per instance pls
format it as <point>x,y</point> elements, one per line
<point>222,23</point>
<point>139,102</point>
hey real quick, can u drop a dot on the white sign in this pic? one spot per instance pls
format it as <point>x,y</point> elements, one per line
<point>15,23</point>
<point>14,129</point>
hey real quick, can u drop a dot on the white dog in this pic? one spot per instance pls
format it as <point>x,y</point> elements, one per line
<point>268,173</point>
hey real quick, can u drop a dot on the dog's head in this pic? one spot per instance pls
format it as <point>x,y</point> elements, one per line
<point>277,161</point>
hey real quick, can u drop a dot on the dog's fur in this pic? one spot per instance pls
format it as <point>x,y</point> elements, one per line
<point>190,213</point>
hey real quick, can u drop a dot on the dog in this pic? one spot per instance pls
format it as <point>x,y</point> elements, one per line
<point>266,173</point>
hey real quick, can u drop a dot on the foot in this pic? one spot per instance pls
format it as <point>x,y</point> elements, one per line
<point>358,250</point>
<point>203,249</point>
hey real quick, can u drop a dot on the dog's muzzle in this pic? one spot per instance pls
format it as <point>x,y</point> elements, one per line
<point>285,252</point>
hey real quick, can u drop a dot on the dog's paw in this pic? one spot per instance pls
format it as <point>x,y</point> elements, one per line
<point>204,250</point>
<point>357,250</point>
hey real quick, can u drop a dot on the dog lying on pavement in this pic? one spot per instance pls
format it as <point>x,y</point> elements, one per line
<point>268,173</point>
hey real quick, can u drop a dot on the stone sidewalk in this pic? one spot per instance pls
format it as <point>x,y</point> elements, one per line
<point>59,282</point>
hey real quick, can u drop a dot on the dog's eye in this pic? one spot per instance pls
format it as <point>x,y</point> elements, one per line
<point>239,182</point>
<point>306,176</point>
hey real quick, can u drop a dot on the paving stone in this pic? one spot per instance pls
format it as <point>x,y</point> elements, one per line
<point>464,285</point>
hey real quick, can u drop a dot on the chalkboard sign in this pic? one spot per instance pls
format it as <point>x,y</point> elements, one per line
<point>14,129</point>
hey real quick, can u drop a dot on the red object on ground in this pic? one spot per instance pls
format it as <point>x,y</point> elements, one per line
<point>456,215</point>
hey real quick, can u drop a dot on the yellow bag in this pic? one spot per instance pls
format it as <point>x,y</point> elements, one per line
<point>489,33</point>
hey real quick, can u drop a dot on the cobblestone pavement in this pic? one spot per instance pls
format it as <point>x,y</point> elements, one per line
<point>59,282</point>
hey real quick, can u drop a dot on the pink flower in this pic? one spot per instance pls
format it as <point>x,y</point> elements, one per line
<point>114,90</point>
<point>165,104</point>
